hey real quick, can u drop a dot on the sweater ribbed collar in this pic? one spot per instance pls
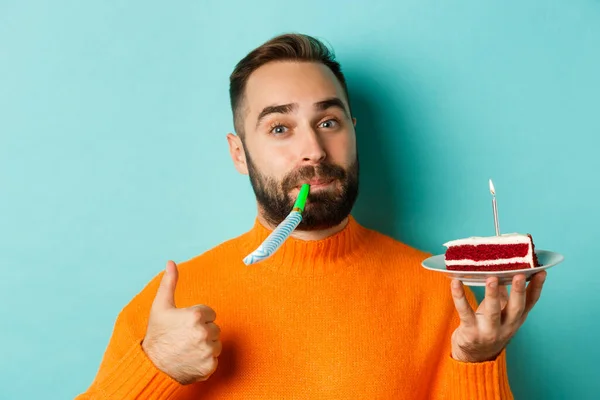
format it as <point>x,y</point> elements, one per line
<point>310,257</point>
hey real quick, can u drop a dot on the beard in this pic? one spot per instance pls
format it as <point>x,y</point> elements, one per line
<point>324,208</point>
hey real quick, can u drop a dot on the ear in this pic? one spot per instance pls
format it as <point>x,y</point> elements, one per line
<point>236,150</point>
<point>354,122</point>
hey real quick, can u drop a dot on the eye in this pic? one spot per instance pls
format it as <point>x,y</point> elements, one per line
<point>330,123</point>
<point>278,129</point>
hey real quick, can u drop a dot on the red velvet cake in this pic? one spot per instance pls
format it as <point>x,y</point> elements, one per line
<point>494,253</point>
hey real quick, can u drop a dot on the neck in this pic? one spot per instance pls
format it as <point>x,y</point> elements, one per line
<point>307,235</point>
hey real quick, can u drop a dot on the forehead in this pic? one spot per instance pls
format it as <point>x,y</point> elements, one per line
<point>287,82</point>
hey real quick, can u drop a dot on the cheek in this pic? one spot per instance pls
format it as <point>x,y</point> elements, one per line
<point>342,149</point>
<point>273,161</point>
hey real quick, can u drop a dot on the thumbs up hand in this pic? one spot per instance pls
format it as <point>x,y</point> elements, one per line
<point>181,342</point>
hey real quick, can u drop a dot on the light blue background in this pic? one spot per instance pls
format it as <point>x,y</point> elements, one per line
<point>113,118</point>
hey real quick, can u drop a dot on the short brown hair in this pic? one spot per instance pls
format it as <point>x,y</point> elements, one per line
<point>286,47</point>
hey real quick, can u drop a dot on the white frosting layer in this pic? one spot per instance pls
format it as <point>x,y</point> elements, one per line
<point>527,260</point>
<point>507,238</point>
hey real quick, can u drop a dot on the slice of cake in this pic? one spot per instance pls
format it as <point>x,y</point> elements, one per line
<point>494,253</point>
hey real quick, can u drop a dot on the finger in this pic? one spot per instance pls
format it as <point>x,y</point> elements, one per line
<point>214,365</point>
<point>534,290</point>
<point>492,310</point>
<point>217,348</point>
<point>516,302</point>
<point>204,314</point>
<point>165,295</point>
<point>503,296</point>
<point>210,369</point>
<point>465,312</point>
<point>214,332</point>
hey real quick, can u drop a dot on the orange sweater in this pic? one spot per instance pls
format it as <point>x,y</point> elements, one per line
<point>353,316</point>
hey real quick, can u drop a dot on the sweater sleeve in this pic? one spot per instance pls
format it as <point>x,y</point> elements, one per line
<point>456,380</point>
<point>486,380</point>
<point>125,371</point>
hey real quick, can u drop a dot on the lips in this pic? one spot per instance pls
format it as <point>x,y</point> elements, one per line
<point>317,182</point>
<point>320,176</point>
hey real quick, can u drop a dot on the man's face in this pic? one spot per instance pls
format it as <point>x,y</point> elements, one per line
<point>298,129</point>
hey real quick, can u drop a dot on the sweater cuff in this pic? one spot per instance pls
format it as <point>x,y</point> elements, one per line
<point>135,376</point>
<point>485,380</point>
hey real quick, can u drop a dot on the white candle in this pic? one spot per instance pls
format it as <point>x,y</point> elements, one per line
<point>495,208</point>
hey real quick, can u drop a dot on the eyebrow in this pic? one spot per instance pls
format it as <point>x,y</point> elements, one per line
<point>333,102</point>
<point>288,108</point>
<point>278,109</point>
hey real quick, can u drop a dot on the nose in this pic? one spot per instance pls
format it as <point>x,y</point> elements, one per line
<point>312,149</point>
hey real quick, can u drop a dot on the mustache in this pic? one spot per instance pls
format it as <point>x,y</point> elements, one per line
<point>321,171</point>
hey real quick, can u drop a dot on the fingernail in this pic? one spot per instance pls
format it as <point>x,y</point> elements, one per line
<point>493,284</point>
<point>456,284</point>
<point>520,282</point>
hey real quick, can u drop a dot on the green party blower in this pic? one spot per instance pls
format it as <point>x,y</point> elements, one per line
<point>280,234</point>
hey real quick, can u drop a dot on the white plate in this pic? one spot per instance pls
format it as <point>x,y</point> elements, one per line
<point>546,260</point>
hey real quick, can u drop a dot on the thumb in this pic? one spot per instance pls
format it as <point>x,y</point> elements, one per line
<point>165,295</point>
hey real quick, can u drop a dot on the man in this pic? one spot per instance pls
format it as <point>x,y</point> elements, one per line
<point>340,311</point>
